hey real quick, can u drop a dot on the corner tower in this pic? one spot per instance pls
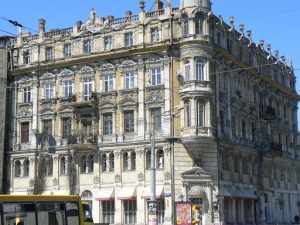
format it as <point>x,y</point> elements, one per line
<point>204,4</point>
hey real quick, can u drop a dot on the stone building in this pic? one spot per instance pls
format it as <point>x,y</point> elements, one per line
<point>224,111</point>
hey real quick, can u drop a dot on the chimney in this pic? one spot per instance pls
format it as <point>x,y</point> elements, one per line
<point>101,21</point>
<point>110,18</point>
<point>158,5</point>
<point>42,24</point>
<point>128,13</point>
<point>78,25</point>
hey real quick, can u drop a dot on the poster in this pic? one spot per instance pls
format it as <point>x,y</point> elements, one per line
<point>183,213</point>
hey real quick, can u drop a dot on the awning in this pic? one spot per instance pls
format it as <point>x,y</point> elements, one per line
<point>159,189</point>
<point>237,192</point>
<point>127,193</point>
<point>196,191</point>
<point>105,194</point>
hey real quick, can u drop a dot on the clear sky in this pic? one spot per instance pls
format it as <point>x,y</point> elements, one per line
<point>277,21</point>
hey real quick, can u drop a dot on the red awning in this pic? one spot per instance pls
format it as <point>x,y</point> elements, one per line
<point>105,194</point>
<point>127,193</point>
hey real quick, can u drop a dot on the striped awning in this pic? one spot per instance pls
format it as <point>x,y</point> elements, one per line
<point>127,193</point>
<point>105,194</point>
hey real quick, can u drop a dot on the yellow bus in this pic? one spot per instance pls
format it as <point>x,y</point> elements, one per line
<point>44,210</point>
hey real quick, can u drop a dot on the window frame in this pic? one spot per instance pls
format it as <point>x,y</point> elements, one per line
<point>107,123</point>
<point>87,46</point>
<point>156,114</point>
<point>49,91</point>
<point>49,53</point>
<point>130,211</point>
<point>26,94</point>
<point>68,88</point>
<point>129,121</point>
<point>66,127</point>
<point>129,80</point>
<point>128,39</point>
<point>155,35</point>
<point>25,132</point>
<point>156,76</point>
<point>108,83</point>
<point>87,88</point>
<point>200,69</point>
<point>107,43</point>
<point>67,50</point>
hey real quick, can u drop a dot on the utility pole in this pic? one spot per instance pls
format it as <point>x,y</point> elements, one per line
<point>152,204</point>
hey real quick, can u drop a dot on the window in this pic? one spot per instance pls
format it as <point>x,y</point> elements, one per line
<point>27,57</point>
<point>129,80</point>
<point>108,211</point>
<point>87,46</point>
<point>187,70</point>
<point>49,168</point>
<point>233,124</point>
<point>133,161</point>
<point>199,23</point>
<point>105,164</point>
<point>156,76</point>
<point>129,39</point>
<point>24,212</point>
<point>84,167</point>
<point>49,91</point>
<point>91,164</point>
<point>130,211</point>
<point>18,168</point>
<point>161,211</point>
<point>108,43</point>
<point>47,126</point>
<point>187,112</point>
<point>243,128</point>
<point>148,159</point>
<point>200,114</point>
<point>156,118</point>
<point>107,123</point>
<point>87,83</point>
<point>26,168</point>
<point>68,86</point>
<point>25,132</point>
<point>236,165</point>
<point>67,50</point>
<point>160,159</point>
<point>185,27</point>
<point>108,83</point>
<point>63,166</point>
<point>199,70</point>
<point>27,94</point>
<point>245,166</point>
<point>253,131</point>
<point>87,126</point>
<point>66,127</point>
<point>49,54</point>
<point>73,218</point>
<point>111,162</point>
<point>126,161</point>
<point>129,121</point>
<point>52,213</point>
<point>154,35</point>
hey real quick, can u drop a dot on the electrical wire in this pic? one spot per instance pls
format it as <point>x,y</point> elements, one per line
<point>7,32</point>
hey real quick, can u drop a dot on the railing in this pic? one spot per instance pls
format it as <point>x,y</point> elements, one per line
<point>59,32</point>
<point>30,38</point>
<point>267,112</point>
<point>125,19</point>
<point>155,13</point>
<point>82,138</point>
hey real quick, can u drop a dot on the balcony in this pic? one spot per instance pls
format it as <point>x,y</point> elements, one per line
<point>274,150</point>
<point>267,112</point>
<point>84,101</point>
<point>83,141</point>
<point>68,99</point>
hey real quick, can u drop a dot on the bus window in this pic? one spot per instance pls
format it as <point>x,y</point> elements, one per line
<point>87,213</point>
<point>72,213</point>
<point>19,214</point>
<point>51,213</point>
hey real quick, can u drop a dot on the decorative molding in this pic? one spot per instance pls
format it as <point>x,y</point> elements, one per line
<point>47,76</point>
<point>107,68</point>
<point>86,69</point>
<point>117,154</point>
<point>167,149</point>
<point>167,176</point>
<point>141,177</point>
<point>117,179</point>
<point>140,151</point>
<point>66,73</point>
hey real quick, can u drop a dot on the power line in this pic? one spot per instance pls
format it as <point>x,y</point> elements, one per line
<point>8,32</point>
<point>17,24</point>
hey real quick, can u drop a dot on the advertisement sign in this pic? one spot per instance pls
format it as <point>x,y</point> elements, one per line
<point>184,213</point>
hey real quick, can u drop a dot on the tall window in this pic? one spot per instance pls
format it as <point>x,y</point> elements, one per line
<point>160,159</point>
<point>49,167</point>
<point>187,70</point>
<point>199,69</point>
<point>156,118</point>
<point>105,163</point>
<point>129,39</point>
<point>148,160</point>
<point>133,161</point>
<point>25,132</point>
<point>200,114</point>
<point>66,127</point>
<point>199,23</point>
<point>49,91</point>
<point>111,162</point>
<point>68,86</point>
<point>185,27</point>
<point>155,76</point>
<point>27,57</point>
<point>49,54</point>
<point>87,83</point>
<point>130,211</point>
<point>91,163</point>
<point>243,128</point>
<point>161,211</point>
<point>129,80</point>
<point>108,43</point>
<point>67,50</point>
<point>87,126</point>
<point>26,168</point>
<point>108,83</point>
<point>187,110</point>
<point>107,123</point>
<point>129,121</point>
<point>27,94</point>
<point>87,46</point>
<point>84,167</point>
<point>108,211</point>
<point>154,35</point>
<point>63,166</point>
<point>126,161</point>
<point>18,168</point>
<point>47,126</point>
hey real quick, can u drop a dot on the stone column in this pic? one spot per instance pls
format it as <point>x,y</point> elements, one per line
<point>141,99</point>
<point>209,118</point>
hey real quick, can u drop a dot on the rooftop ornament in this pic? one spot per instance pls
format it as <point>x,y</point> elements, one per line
<point>231,19</point>
<point>269,51</point>
<point>242,31</point>
<point>249,35</point>
<point>142,5</point>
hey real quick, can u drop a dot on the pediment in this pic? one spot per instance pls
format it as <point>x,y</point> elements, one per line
<point>155,97</point>
<point>154,59</point>
<point>128,63</point>
<point>24,114</point>
<point>107,67</point>
<point>47,76</point>
<point>66,72</point>
<point>86,69</point>
<point>65,109</point>
<point>197,171</point>
<point>47,111</point>
<point>24,79</point>
<point>106,104</point>
<point>127,102</point>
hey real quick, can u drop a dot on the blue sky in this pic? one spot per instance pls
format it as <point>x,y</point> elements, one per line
<point>276,21</point>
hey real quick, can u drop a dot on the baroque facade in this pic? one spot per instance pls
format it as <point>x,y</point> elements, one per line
<point>223,110</point>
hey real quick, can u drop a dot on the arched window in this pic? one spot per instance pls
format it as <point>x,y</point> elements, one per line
<point>160,159</point>
<point>187,70</point>
<point>105,163</point>
<point>133,161</point>
<point>83,165</point>
<point>200,114</point>
<point>63,165</point>
<point>148,159</point>
<point>185,25</point>
<point>18,168</point>
<point>125,161</point>
<point>26,168</point>
<point>50,167</point>
<point>111,162</point>
<point>87,196</point>
<point>199,69</point>
<point>187,111</point>
<point>91,164</point>
<point>199,23</point>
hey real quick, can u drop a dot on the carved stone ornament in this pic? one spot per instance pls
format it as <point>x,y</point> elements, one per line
<point>117,153</point>
<point>66,73</point>
<point>24,79</point>
<point>47,76</point>
<point>117,179</point>
<point>154,97</point>
<point>167,176</point>
<point>128,64</point>
<point>96,180</point>
<point>86,69</point>
<point>167,149</point>
<point>24,114</point>
<point>140,151</point>
<point>107,67</point>
<point>141,177</point>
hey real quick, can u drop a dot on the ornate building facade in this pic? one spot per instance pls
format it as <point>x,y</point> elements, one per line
<point>223,108</point>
